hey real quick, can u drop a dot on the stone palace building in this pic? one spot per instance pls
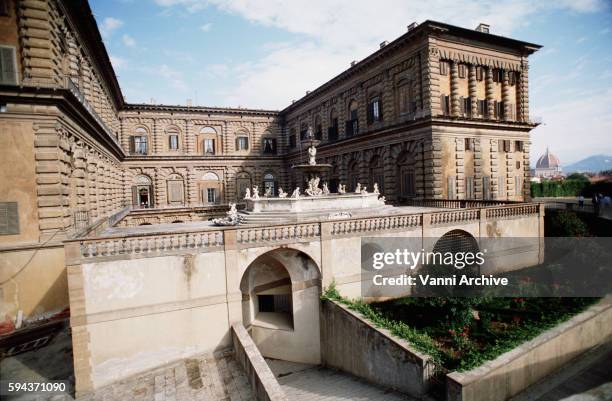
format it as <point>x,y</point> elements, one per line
<point>440,113</point>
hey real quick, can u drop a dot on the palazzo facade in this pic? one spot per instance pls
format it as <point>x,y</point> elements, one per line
<point>441,112</point>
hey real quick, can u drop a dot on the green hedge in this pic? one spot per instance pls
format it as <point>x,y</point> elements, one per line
<point>558,188</point>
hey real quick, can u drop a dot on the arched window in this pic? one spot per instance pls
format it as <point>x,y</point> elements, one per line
<point>173,134</point>
<point>269,185</point>
<point>210,176</point>
<point>142,192</point>
<point>318,128</point>
<point>268,143</point>
<point>211,188</point>
<point>242,141</point>
<point>406,174</point>
<point>139,142</point>
<point>332,130</point>
<point>208,140</point>
<point>377,173</point>
<point>375,109</point>
<point>352,123</point>
<point>303,131</point>
<point>176,190</point>
<point>243,181</point>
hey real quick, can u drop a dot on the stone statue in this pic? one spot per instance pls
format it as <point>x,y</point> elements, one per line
<point>312,153</point>
<point>255,192</point>
<point>376,190</point>
<point>268,193</point>
<point>296,193</point>
<point>313,187</point>
<point>364,190</point>
<point>233,218</point>
<point>325,189</point>
<point>341,189</point>
<point>281,193</point>
<point>358,188</point>
<point>382,199</point>
<point>247,194</point>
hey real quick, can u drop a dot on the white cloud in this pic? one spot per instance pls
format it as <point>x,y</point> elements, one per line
<point>109,25</point>
<point>128,40</point>
<point>338,31</point>
<point>206,27</point>
<point>172,77</point>
<point>575,128</point>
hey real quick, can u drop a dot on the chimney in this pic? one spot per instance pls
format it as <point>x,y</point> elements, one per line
<point>189,103</point>
<point>412,26</point>
<point>484,28</point>
<point>383,44</point>
<point>353,63</point>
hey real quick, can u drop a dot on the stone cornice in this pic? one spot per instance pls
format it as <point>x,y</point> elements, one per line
<point>70,105</point>
<point>135,107</point>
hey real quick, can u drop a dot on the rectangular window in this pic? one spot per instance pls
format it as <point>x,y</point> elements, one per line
<point>4,9</point>
<point>8,66</point>
<point>9,218</point>
<point>444,67</point>
<point>469,144</point>
<point>498,75</point>
<point>319,133</point>
<point>374,111</point>
<point>518,145</point>
<point>511,77</point>
<point>479,73</point>
<point>486,187</point>
<point>465,106</point>
<point>209,146</point>
<point>352,128</point>
<point>303,134</point>
<point>450,182</point>
<point>173,142</point>
<point>501,190</point>
<point>279,303</point>
<point>482,107</point>
<point>242,143</point>
<point>332,132</point>
<point>469,187</point>
<point>211,195</point>
<point>462,70</point>
<point>269,146</point>
<point>175,191</point>
<point>499,109</point>
<point>445,104</point>
<point>518,186</point>
<point>139,145</point>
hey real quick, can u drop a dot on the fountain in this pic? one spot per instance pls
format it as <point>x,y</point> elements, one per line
<point>317,202</point>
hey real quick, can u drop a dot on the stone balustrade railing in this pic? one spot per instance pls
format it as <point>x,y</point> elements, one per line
<point>138,245</point>
<point>456,203</point>
<point>277,234</point>
<point>150,245</point>
<point>374,224</point>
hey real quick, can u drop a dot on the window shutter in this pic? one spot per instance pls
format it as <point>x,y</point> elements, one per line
<point>135,196</point>
<point>237,148</point>
<point>370,112</point>
<point>451,187</point>
<point>380,109</point>
<point>461,105</point>
<point>486,187</point>
<point>8,74</point>
<point>9,218</point>
<point>132,145</point>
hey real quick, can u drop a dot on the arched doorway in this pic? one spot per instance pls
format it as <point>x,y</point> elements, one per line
<point>280,305</point>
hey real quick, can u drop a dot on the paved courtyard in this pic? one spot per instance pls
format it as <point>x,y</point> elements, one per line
<point>302,382</point>
<point>201,378</point>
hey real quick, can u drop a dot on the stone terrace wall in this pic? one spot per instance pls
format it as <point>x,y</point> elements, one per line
<point>516,370</point>
<point>264,384</point>
<point>353,345</point>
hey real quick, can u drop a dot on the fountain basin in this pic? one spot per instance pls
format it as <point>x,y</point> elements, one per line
<point>323,203</point>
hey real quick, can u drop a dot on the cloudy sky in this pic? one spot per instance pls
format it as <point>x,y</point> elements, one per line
<point>264,53</point>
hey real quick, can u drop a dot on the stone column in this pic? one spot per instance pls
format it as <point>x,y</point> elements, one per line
<point>431,83</point>
<point>489,92</point>
<point>472,90</point>
<point>506,95</point>
<point>454,84</point>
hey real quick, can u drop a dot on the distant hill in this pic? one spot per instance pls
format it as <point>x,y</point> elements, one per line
<point>592,164</point>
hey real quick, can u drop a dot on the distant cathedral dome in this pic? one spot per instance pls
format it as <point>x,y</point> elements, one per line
<point>548,160</point>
